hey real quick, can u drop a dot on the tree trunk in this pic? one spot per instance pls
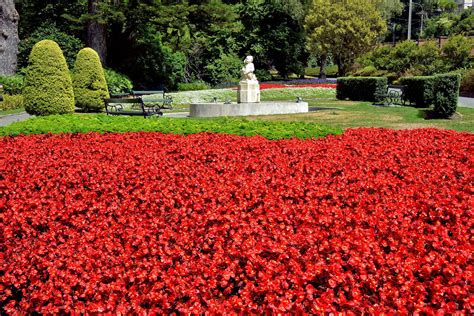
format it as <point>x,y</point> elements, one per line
<point>323,60</point>
<point>341,65</point>
<point>8,37</point>
<point>96,32</point>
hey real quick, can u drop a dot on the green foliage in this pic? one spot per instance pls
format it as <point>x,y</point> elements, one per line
<point>409,59</point>
<point>156,64</point>
<point>367,71</point>
<point>193,86</point>
<point>102,123</point>
<point>361,88</point>
<point>345,29</point>
<point>446,94</point>
<point>69,44</point>
<point>11,102</point>
<point>48,86</point>
<point>263,75</point>
<point>12,84</point>
<point>457,51</point>
<point>224,69</point>
<point>274,34</point>
<point>450,24</point>
<point>419,90</point>
<point>467,83</point>
<point>117,82</point>
<point>88,79</point>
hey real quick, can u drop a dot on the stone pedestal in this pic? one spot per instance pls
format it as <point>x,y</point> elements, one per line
<point>248,92</point>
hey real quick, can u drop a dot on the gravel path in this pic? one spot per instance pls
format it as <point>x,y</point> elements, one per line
<point>8,119</point>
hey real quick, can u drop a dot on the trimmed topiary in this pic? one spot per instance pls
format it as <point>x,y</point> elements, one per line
<point>446,94</point>
<point>48,86</point>
<point>90,86</point>
<point>419,90</point>
<point>361,88</point>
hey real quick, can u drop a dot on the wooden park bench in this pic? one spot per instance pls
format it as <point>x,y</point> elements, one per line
<point>393,95</point>
<point>134,107</point>
<point>119,104</point>
<point>165,101</point>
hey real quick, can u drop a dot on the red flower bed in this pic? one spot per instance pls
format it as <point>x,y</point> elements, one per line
<point>371,221</point>
<point>264,86</point>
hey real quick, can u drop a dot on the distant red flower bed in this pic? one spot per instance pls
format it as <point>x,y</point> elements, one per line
<point>264,86</point>
<point>373,221</point>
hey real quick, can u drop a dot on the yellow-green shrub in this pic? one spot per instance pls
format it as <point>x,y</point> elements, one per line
<point>90,86</point>
<point>11,102</point>
<point>48,86</point>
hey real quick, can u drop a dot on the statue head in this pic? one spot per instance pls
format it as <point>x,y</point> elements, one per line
<point>248,59</point>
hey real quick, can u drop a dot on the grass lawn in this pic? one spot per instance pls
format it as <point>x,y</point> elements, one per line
<point>347,114</point>
<point>8,112</point>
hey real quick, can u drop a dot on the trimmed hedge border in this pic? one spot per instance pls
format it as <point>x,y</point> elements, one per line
<point>361,88</point>
<point>419,90</point>
<point>446,94</point>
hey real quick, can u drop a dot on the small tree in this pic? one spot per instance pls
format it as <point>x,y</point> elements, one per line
<point>90,86</point>
<point>344,29</point>
<point>48,86</point>
<point>457,51</point>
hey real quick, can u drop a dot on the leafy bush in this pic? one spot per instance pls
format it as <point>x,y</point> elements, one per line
<point>226,68</point>
<point>367,71</point>
<point>90,87</point>
<point>117,82</point>
<point>419,90</point>
<point>102,123</point>
<point>48,86</point>
<point>11,102</point>
<point>263,75</point>
<point>457,51</point>
<point>446,94</point>
<point>467,83</point>
<point>361,88</point>
<point>69,44</point>
<point>193,86</point>
<point>12,84</point>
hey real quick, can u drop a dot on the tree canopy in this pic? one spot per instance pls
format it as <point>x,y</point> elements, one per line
<point>345,30</point>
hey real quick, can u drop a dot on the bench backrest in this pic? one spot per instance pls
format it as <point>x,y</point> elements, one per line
<point>138,93</point>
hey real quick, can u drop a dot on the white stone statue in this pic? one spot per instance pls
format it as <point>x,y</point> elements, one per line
<point>248,69</point>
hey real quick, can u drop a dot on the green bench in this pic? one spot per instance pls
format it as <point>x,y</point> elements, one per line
<point>115,106</point>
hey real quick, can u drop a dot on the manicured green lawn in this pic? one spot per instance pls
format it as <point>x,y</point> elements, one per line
<point>346,114</point>
<point>8,112</point>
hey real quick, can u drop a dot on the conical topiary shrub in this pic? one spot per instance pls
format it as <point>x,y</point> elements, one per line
<point>48,86</point>
<point>90,86</point>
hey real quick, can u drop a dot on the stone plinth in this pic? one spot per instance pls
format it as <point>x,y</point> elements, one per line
<point>245,109</point>
<point>248,92</point>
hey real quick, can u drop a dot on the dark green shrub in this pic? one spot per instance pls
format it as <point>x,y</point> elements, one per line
<point>70,44</point>
<point>467,83</point>
<point>361,88</point>
<point>446,94</point>
<point>88,79</point>
<point>12,84</point>
<point>419,90</point>
<point>11,102</point>
<point>117,82</point>
<point>48,86</point>
<point>193,86</point>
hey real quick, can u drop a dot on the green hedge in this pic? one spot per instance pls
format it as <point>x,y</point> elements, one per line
<point>446,94</point>
<point>419,90</point>
<point>361,88</point>
<point>48,86</point>
<point>88,79</point>
<point>12,84</point>
<point>117,82</point>
<point>83,123</point>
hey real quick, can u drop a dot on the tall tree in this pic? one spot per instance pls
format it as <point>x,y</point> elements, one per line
<point>96,30</point>
<point>346,30</point>
<point>8,37</point>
